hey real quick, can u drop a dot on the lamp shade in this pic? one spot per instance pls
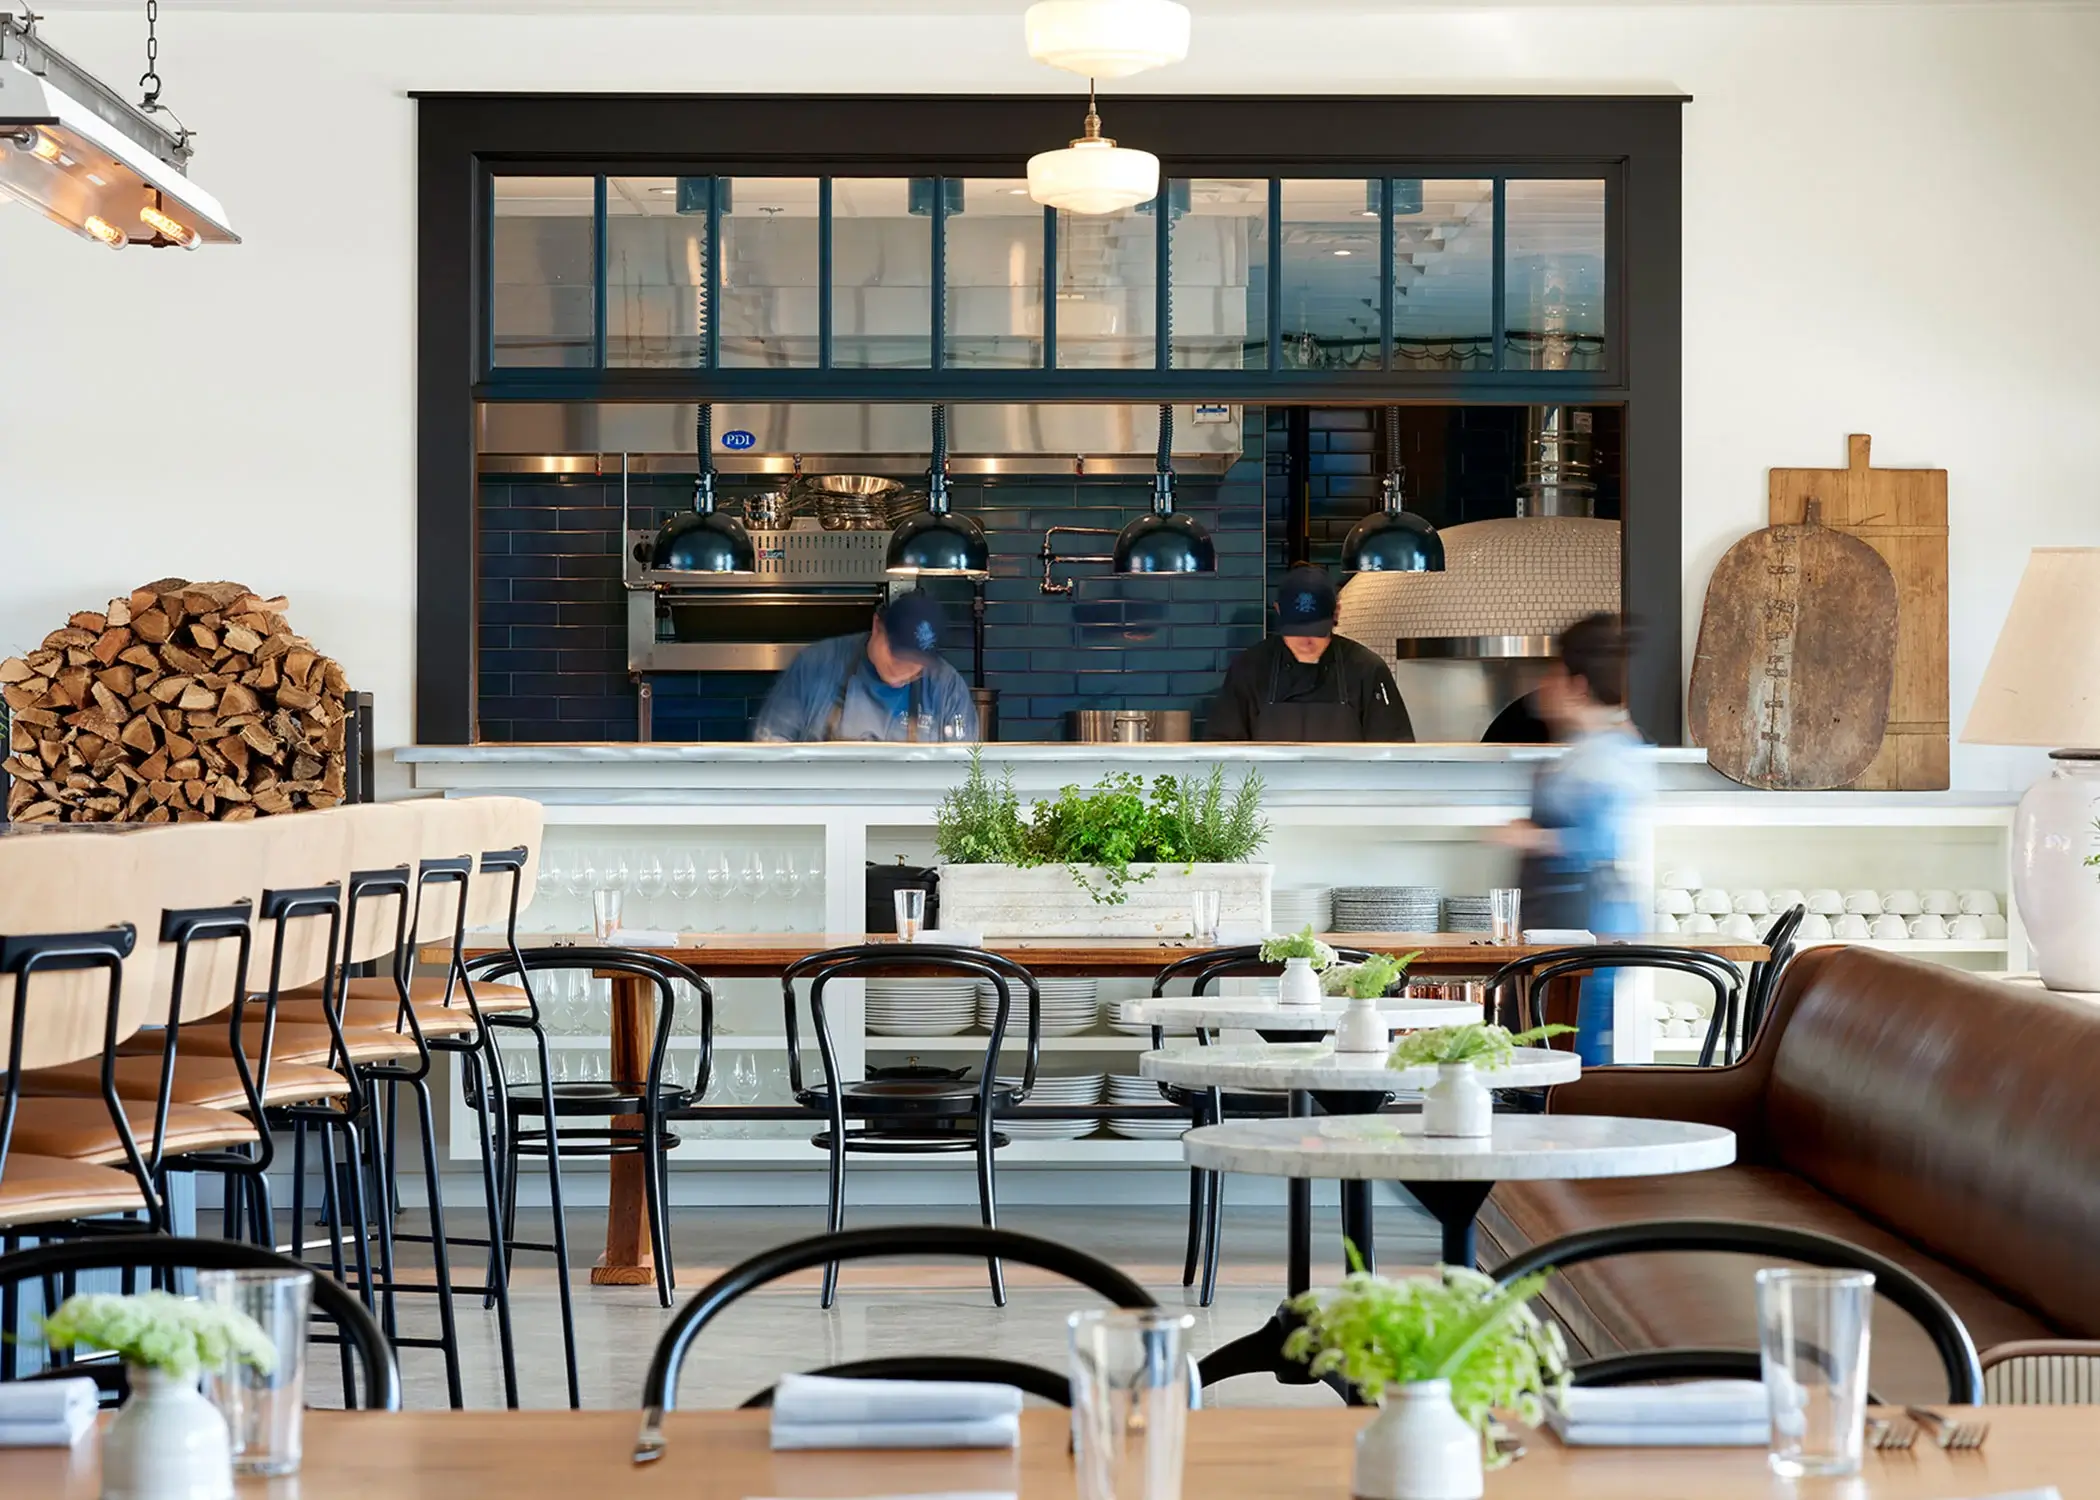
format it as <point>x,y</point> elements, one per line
<point>1093,176</point>
<point>1107,38</point>
<point>1164,542</point>
<point>2043,684</point>
<point>704,542</point>
<point>1392,541</point>
<point>939,542</point>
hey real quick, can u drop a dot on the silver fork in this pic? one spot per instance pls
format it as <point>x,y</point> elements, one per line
<point>649,1442</point>
<point>1950,1432</point>
<point>1885,1434</point>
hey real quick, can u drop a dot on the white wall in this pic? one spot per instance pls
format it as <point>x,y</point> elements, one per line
<point>1890,214</point>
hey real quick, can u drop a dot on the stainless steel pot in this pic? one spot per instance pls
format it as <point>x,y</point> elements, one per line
<point>1128,726</point>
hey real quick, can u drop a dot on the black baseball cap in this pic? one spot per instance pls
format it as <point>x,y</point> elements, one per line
<point>1305,603</point>
<point>912,624</point>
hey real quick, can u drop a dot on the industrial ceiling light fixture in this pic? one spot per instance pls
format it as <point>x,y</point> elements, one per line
<point>75,151</point>
<point>1093,175</point>
<point>1107,38</point>
<point>1392,539</point>
<point>1164,541</point>
<point>703,540</point>
<point>936,541</point>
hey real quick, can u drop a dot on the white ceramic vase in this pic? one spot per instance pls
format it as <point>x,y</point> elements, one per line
<point>1299,985</point>
<point>1363,1030</point>
<point>1458,1103</point>
<point>1418,1448</point>
<point>167,1443</point>
<point>2056,872</point>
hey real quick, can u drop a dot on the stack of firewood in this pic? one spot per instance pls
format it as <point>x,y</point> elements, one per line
<point>181,701</point>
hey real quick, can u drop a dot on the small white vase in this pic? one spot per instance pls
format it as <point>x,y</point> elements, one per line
<point>2055,833</point>
<point>1299,985</point>
<point>1458,1103</point>
<point>167,1443</point>
<point>1363,1030</point>
<point>1418,1448</point>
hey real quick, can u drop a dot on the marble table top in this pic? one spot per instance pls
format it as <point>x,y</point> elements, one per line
<point>1316,1065</point>
<point>1267,1013</point>
<point>1392,1148</point>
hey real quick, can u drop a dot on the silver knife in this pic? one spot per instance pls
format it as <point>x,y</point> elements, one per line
<point>649,1442</point>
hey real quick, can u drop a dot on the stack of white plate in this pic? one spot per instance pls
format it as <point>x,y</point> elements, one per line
<point>921,1007</point>
<point>1070,1006</point>
<point>1116,1013</point>
<point>1054,1088</point>
<point>1386,908</point>
<point>1468,914</point>
<point>1293,907</point>
<point>1128,1088</point>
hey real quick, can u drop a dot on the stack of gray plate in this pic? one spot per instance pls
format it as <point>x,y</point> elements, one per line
<point>1386,908</point>
<point>1128,1088</point>
<point>1055,1088</point>
<point>1070,1006</point>
<point>1292,907</point>
<point>1467,914</point>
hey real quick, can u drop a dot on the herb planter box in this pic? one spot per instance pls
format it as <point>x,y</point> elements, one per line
<point>1045,901</point>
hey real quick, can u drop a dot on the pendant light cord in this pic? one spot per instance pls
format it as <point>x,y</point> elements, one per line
<point>150,79</point>
<point>937,468</point>
<point>704,446</point>
<point>1395,471</point>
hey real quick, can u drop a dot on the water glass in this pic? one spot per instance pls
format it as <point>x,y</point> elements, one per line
<point>1812,1331</point>
<point>605,912</point>
<point>263,1407</point>
<point>1505,914</point>
<point>1131,1382</point>
<point>1203,915</point>
<point>911,913</point>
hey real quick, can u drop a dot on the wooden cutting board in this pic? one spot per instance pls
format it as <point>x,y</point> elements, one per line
<point>1901,514</point>
<point>1797,652</point>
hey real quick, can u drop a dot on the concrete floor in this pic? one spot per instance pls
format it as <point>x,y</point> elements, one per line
<point>884,1307</point>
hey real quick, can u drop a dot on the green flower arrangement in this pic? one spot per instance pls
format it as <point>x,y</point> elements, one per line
<point>1458,1326</point>
<point>1290,945</point>
<point>160,1331</point>
<point>1374,977</point>
<point>1485,1047</point>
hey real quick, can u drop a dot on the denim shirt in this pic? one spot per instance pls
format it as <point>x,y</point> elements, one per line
<point>800,706</point>
<point>1596,798</point>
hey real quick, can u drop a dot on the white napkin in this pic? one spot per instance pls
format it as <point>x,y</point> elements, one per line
<point>952,937</point>
<point>1694,1414</point>
<point>1559,937</point>
<point>46,1413</point>
<point>642,937</point>
<point>817,1411</point>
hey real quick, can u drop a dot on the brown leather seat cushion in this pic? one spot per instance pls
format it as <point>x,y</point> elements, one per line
<point>43,1190</point>
<point>209,1081</point>
<point>490,996</point>
<point>79,1129</point>
<point>1708,1301</point>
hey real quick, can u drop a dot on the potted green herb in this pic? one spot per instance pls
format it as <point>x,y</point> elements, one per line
<point>1303,957</point>
<point>1117,859</point>
<point>1439,1354</point>
<point>1362,1029</point>
<point>169,1442</point>
<point>1458,1103</point>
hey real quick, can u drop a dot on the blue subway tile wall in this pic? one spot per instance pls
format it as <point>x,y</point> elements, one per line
<point>551,649</point>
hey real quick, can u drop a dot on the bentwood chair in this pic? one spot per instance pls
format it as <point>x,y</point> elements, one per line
<point>1782,942</point>
<point>660,1388</point>
<point>909,1116</point>
<point>1773,1241</point>
<point>1516,992</point>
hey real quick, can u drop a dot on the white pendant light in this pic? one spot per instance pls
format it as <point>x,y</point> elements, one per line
<point>1093,175</point>
<point>1107,38</point>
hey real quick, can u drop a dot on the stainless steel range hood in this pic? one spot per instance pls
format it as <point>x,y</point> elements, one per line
<point>853,438</point>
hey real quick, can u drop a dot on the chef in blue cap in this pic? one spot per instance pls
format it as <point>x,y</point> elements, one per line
<point>1305,684</point>
<point>887,683</point>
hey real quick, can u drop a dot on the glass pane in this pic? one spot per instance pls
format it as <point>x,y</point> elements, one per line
<point>768,312</point>
<point>1554,277</point>
<point>541,271</point>
<point>994,316</point>
<point>1330,274</point>
<point>1108,290</point>
<point>881,273</point>
<point>655,254</point>
<point>1444,274</point>
<point>1220,266</point>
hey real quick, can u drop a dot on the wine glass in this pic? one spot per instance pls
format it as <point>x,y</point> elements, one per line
<point>649,882</point>
<point>751,879</point>
<point>583,879</point>
<point>613,874</point>
<point>743,1090</point>
<point>721,885</point>
<point>684,884</point>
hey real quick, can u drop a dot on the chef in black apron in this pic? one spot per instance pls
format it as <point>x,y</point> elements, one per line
<point>1305,684</point>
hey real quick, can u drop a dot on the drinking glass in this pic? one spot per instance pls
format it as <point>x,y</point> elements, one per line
<point>605,911</point>
<point>1131,1380</point>
<point>684,885</point>
<point>744,1090</point>
<point>786,879</point>
<point>1505,911</point>
<point>1203,915</point>
<point>1812,1331</point>
<point>583,875</point>
<point>649,882</point>
<point>721,885</point>
<point>911,913</point>
<point>751,879</point>
<point>263,1407</point>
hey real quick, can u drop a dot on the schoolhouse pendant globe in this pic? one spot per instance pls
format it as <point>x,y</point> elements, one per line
<point>1093,175</point>
<point>1107,38</point>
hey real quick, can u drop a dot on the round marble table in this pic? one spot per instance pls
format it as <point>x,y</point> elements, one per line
<point>1275,1020</point>
<point>1317,1068</point>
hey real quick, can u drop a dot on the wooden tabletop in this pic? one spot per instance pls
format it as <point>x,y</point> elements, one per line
<point>745,955</point>
<point>1233,1454</point>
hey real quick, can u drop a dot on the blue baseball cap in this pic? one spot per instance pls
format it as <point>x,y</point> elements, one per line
<point>1305,604</point>
<point>912,624</point>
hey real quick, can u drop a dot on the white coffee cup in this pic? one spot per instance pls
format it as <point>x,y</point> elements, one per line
<point>1714,901</point>
<point>1993,925</point>
<point>1766,923</point>
<point>1785,899</point>
<point>1665,922</point>
<point>1888,929</point>
<point>1902,903</point>
<point>1752,903</point>
<point>1941,903</point>
<point>1852,927</point>
<point>1825,903</point>
<point>1683,878</point>
<point>1699,921</point>
<point>1979,903</point>
<point>1968,927</point>
<point>1863,901</point>
<point>1674,901</point>
<point>1814,928</point>
<point>1928,927</point>
<point>1738,925</point>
